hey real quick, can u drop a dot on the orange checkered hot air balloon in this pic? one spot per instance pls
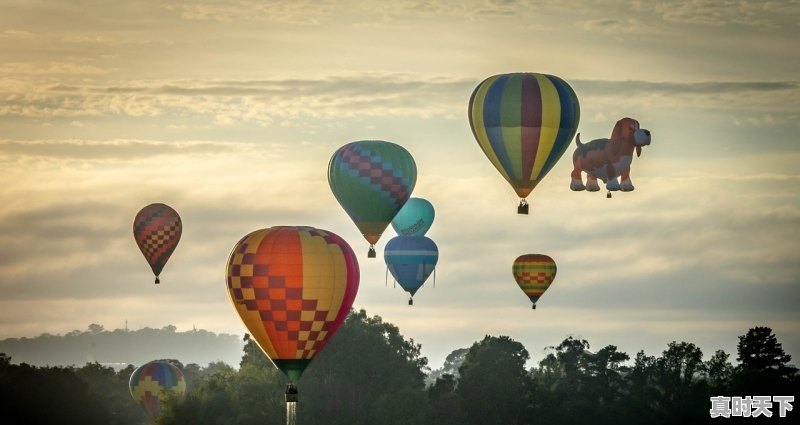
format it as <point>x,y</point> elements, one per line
<point>534,273</point>
<point>292,286</point>
<point>157,230</point>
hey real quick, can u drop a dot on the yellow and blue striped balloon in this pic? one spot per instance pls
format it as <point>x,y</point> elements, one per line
<point>524,123</point>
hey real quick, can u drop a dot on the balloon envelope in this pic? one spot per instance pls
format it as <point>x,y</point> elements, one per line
<point>157,230</point>
<point>372,180</point>
<point>524,122</point>
<point>411,259</point>
<point>292,286</point>
<point>415,218</point>
<point>534,273</point>
<point>150,379</point>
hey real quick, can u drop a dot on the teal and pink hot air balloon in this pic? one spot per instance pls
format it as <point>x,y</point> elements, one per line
<point>415,218</point>
<point>524,122</point>
<point>411,260</point>
<point>372,180</point>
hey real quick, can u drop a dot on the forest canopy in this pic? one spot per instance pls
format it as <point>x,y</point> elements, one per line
<point>372,374</point>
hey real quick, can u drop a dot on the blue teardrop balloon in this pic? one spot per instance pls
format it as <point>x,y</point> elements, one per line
<point>414,219</point>
<point>411,259</point>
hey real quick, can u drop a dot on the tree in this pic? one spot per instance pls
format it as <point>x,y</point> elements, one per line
<point>445,406</point>
<point>451,364</point>
<point>492,381</point>
<point>642,389</point>
<point>759,349</point>
<point>763,363</point>
<point>720,371</point>
<point>605,369</point>
<point>366,361</point>
<point>574,385</point>
<point>50,395</point>
<point>96,329</point>
<point>680,380</point>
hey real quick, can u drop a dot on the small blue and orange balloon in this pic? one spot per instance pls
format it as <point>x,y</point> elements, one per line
<point>411,260</point>
<point>524,122</point>
<point>151,382</point>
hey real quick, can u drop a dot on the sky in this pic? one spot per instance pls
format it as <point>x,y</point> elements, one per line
<point>229,112</point>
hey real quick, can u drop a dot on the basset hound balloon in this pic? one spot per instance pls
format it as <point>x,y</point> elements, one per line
<point>608,159</point>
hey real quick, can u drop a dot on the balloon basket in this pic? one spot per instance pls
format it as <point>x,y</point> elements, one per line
<point>533,307</point>
<point>371,252</point>
<point>291,393</point>
<point>410,301</point>
<point>523,207</point>
<point>608,195</point>
<point>157,280</point>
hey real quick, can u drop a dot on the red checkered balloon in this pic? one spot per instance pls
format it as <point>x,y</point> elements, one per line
<point>157,229</point>
<point>292,286</point>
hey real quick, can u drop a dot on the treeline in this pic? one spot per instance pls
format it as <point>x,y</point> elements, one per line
<point>122,346</point>
<point>371,374</point>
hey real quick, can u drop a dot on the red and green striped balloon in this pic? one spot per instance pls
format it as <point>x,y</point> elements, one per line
<point>524,123</point>
<point>534,273</point>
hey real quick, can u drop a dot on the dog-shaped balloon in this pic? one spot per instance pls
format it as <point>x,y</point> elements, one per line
<point>608,159</point>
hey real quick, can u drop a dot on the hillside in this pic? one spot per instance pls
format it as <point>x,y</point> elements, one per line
<point>120,347</point>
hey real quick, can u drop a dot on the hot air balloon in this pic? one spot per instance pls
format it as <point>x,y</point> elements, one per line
<point>415,218</point>
<point>534,273</point>
<point>157,229</point>
<point>151,381</point>
<point>411,259</point>
<point>524,123</point>
<point>292,286</point>
<point>372,180</point>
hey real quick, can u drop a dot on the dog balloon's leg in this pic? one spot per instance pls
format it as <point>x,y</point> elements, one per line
<point>626,184</point>
<point>576,183</point>
<point>591,183</point>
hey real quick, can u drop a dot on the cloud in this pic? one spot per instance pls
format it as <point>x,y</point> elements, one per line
<point>621,88</point>
<point>255,102</point>
<point>265,102</point>
<point>738,12</point>
<point>296,12</point>
<point>127,150</point>
<point>54,68</point>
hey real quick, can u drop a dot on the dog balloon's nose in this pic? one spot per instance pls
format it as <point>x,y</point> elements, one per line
<point>647,132</point>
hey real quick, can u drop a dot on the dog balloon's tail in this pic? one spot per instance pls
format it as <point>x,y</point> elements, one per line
<point>578,140</point>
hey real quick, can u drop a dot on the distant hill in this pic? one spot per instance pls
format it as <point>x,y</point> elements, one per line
<point>121,347</point>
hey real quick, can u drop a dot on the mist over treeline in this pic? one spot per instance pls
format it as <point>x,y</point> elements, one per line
<point>371,374</point>
<point>121,347</point>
